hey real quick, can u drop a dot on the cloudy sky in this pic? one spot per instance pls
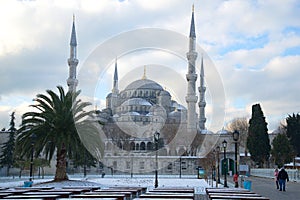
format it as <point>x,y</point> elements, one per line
<point>251,51</point>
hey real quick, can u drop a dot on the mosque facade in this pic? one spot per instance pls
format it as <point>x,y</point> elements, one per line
<point>144,108</point>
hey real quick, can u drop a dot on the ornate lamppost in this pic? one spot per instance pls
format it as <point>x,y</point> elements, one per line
<point>156,138</point>
<point>224,143</point>
<point>218,163</point>
<point>235,136</point>
<point>32,137</point>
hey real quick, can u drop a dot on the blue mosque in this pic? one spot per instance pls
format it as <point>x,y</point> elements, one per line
<point>133,116</point>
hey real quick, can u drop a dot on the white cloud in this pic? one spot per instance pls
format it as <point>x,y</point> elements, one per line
<point>249,41</point>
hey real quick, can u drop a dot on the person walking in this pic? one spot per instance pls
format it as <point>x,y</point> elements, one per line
<point>282,177</point>
<point>276,178</point>
<point>236,180</point>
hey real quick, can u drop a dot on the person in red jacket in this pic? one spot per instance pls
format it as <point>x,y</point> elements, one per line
<point>236,180</point>
<point>276,178</point>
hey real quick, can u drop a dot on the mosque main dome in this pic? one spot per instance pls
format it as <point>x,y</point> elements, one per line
<point>144,84</point>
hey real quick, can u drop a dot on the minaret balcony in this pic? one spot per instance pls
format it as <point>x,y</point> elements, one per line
<point>191,55</point>
<point>73,61</point>
<point>191,99</point>
<point>191,77</point>
<point>201,89</point>
<point>202,104</point>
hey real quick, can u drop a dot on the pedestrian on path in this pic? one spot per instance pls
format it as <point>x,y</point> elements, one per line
<point>276,178</point>
<point>236,180</point>
<point>282,176</point>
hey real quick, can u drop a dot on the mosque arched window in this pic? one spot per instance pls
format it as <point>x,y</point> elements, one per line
<point>143,146</point>
<point>132,146</point>
<point>137,147</point>
<point>149,146</point>
<point>181,151</point>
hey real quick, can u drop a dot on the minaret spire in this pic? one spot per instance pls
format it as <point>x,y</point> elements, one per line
<point>191,77</point>
<point>115,89</point>
<point>73,61</point>
<point>192,29</point>
<point>202,102</point>
<point>144,75</point>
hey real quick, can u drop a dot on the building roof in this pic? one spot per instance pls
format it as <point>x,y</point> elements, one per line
<point>144,84</point>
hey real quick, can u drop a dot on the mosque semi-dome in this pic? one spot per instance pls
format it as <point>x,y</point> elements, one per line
<point>136,101</point>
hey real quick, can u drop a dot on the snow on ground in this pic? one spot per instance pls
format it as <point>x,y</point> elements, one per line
<point>198,184</point>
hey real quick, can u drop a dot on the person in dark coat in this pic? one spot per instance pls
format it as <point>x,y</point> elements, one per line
<point>282,177</point>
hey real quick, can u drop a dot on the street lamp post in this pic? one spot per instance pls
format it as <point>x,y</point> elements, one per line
<point>32,137</point>
<point>218,163</point>
<point>225,163</point>
<point>156,138</point>
<point>235,136</point>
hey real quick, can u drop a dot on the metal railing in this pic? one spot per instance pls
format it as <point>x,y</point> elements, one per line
<point>294,174</point>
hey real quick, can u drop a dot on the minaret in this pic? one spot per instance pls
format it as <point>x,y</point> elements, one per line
<point>73,61</point>
<point>115,89</point>
<point>191,77</point>
<point>202,102</point>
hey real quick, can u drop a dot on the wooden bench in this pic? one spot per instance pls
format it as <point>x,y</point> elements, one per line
<point>232,193</point>
<point>238,197</point>
<point>74,191</point>
<point>60,194</point>
<point>168,195</point>
<point>97,196</point>
<point>128,195</point>
<point>5,194</point>
<point>85,188</point>
<point>162,198</point>
<point>239,194</point>
<point>88,198</point>
<point>176,190</point>
<point>141,190</point>
<point>44,197</point>
<point>33,188</point>
<point>13,191</point>
<point>134,192</point>
<point>227,190</point>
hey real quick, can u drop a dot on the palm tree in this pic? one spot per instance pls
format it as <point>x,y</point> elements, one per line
<point>55,127</point>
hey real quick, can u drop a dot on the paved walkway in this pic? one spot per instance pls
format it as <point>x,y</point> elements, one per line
<point>267,188</point>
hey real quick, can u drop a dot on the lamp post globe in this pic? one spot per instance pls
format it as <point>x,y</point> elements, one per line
<point>235,135</point>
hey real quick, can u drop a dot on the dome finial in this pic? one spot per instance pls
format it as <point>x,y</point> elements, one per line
<point>144,76</point>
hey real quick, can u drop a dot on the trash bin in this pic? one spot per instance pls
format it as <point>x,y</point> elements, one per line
<point>28,183</point>
<point>247,184</point>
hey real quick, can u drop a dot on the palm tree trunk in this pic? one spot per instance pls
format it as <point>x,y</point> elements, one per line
<point>61,171</point>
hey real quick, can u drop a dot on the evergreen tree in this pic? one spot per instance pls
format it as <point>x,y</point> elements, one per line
<point>8,148</point>
<point>293,131</point>
<point>258,141</point>
<point>282,150</point>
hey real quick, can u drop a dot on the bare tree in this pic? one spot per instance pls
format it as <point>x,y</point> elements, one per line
<point>240,124</point>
